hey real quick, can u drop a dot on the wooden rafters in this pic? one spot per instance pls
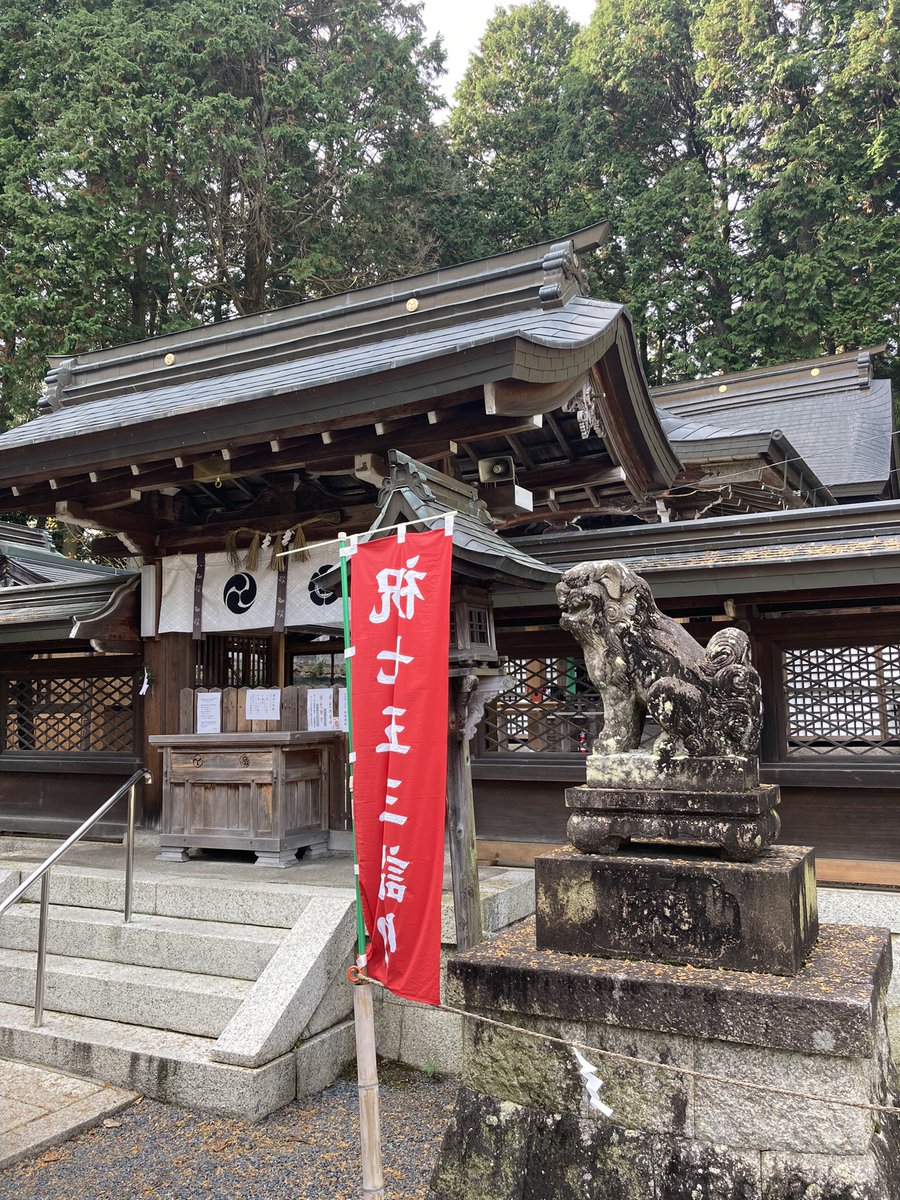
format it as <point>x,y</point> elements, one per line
<point>554,427</point>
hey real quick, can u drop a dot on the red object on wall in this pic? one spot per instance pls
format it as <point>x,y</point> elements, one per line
<point>400,631</point>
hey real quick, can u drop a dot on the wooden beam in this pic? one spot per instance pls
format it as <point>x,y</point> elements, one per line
<point>110,545</point>
<point>460,424</point>
<point>556,429</point>
<point>119,500</point>
<point>584,473</point>
<point>188,537</point>
<point>493,853</point>
<point>416,438</point>
<point>139,529</point>
<point>612,506</point>
<point>461,819</point>
<point>520,452</point>
<point>516,397</point>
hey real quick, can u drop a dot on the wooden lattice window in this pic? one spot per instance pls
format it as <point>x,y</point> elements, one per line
<point>842,700</point>
<point>224,661</point>
<point>70,714</point>
<point>553,708</point>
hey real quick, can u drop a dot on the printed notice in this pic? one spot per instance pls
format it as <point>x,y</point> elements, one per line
<point>263,704</point>
<point>343,713</point>
<point>209,712</point>
<point>320,710</point>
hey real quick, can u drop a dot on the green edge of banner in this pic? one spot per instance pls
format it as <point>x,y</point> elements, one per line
<point>343,543</point>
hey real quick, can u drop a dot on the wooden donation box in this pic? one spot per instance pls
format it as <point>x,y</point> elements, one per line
<point>257,785</point>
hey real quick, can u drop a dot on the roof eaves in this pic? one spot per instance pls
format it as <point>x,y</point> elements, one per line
<point>528,279</point>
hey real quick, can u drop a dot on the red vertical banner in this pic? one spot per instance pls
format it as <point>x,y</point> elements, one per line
<point>400,632</point>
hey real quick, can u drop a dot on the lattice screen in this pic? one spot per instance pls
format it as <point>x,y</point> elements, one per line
<point>553,708</point>
<point>56,716</point>
<point>843,699</point>
<point>224,660</point>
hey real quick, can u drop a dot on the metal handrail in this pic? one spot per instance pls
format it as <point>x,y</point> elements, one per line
<point>43,873</point>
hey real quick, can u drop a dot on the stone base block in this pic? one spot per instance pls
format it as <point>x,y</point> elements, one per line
<point>320,1059</point>
<point>515,1152</point>
<point>739,823</point>
<point>173,854</point>
<point>638,769</point>
<point>524,1129</point>
<point>739,840</point>
<point>749,803</point>
<point>662,908</point>
<point>833,1005</point>
<point>283,859</point>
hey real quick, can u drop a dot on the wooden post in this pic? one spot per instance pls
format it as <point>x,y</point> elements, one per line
<point>170,660</point>
<point>461,820</point>
<point>367,1079</point>
<point>279,665</point>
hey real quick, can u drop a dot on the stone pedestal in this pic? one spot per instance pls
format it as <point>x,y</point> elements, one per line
<point>715,803</point>
<point>523,1128</point>
<point>669,908</point>
<point>639,771</point>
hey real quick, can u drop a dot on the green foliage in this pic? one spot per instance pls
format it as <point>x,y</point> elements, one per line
<point>165,163</point>
<point>745,152</point>
<point>170,162</point>
<point>513,133</point>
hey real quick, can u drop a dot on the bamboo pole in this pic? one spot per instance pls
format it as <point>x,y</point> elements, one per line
<point>363,1012</point>
<point>367,1081</point>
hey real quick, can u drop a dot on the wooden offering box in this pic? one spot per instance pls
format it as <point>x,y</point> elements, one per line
<point>267,790</point>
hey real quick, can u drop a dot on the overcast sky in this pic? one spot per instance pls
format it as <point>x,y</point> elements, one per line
<point>461,24</point>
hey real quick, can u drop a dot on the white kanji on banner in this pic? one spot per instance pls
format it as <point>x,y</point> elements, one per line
<point>400,629</point>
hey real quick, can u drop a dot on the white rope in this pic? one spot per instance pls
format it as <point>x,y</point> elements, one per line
<point>372,532</point>
<point>672,1068</point>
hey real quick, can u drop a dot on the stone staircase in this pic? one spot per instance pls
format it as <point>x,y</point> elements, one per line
<point>199,1002</point>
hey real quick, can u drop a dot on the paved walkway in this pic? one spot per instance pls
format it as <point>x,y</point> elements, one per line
<point>39,1108</point>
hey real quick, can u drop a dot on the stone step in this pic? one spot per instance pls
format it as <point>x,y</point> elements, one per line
<point>236,902</point>
<point>160,999</point>
<point>172,943</point>
<point>171,1067</point>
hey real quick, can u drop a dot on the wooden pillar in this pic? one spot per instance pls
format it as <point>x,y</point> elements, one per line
<point>461,820</point>
<point>279,663</point>
<point>169,659</point>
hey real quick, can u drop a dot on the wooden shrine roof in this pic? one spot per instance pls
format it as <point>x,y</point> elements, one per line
<point>28,557</point>
<point>835,415</point>
<point>855,546</point>
<point>415,492</point>
<point>259,422</point>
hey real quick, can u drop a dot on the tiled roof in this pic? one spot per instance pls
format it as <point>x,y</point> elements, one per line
<point>792,552</point>
<point>582,328</point>
<point>844,435</point>
<point>695,429</point>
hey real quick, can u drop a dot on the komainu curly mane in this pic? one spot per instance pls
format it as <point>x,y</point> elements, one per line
<point>707,702</point>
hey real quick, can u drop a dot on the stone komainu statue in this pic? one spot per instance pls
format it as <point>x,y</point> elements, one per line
<point>707,702</point>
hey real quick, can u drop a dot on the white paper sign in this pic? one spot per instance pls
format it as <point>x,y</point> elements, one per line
<point>343,714</point>
<point>209,712</point>
<point>320,710</point>
<point>263,704</point>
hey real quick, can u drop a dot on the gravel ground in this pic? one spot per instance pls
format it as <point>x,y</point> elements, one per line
<point>306,1151</point>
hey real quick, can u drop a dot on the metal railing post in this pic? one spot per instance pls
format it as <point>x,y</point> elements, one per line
<point>129,853</point>
<point>43,873</point>
<point>42,950</point>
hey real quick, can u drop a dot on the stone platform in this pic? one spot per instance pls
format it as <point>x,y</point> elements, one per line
<point>523,1128</point>
<point>665,907</point>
